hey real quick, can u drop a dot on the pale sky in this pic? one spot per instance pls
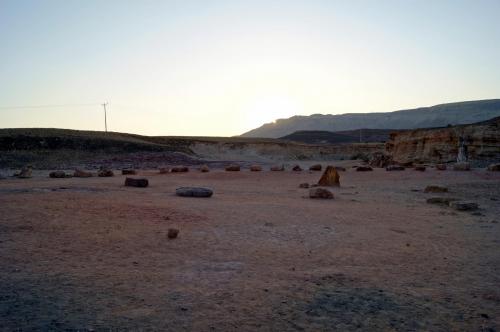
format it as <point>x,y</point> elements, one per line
<point>220,68</point>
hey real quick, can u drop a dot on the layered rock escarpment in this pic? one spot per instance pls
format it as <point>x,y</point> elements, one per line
<point>441,145</point>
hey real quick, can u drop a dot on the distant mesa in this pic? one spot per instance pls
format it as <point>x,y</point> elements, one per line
<point>424,117</point>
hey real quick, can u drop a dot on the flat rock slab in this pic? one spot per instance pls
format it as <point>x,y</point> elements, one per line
<point>194,192</point>
<point>364,169</point>
<point>394,168</point>
<point>140,183</point>
<point>104,173</point>
<point>233,168</point>
<point>435,189</point>
<point>316,167</point>
<point>464,206</point>
<point>441,200</point>
<point>178,169</point>
<point>320,193</point>
<point>59,175</point>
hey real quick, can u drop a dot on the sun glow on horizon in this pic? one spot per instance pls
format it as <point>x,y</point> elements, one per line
<point>221,68</point>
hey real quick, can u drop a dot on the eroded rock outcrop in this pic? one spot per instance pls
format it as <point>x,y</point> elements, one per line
<point>330,178</point>
<point>441,145</point>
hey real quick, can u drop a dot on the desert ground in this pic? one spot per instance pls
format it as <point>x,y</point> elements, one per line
<point>90,254</point>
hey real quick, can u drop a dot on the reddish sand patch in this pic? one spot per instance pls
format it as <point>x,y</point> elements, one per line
<point>258,255</point>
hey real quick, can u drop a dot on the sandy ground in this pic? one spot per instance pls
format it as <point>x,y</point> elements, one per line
<point>91,254</point>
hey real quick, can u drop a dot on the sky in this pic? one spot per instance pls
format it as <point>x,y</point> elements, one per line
<point>221,68</point>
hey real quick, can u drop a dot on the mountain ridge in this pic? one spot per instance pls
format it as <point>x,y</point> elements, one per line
<point>440,115</point>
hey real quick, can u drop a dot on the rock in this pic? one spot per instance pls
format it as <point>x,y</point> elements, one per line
<point>179,169</point>
<point>494,168</point>
<point>193,192</point>
<point>304,185</point>
<point>59,174</point>
<point>255,168</point>
<point>278,168</point>
<point>233,168</point>
<point>441,200</point>
<point>440,145</point>
<point>364,169</point>
<point>82,174</point>
<point>441,167</point>
<point>297,168</point>
<point>320,193</point>
<point>164,170</point>
<point>104,172</point>
<point>330,178</point>
<point>129,172</point>
<point>204,169</point>
<point>340,168</point>
<point>141,183</point>
<point>463,166</point>
<point>172,233</point>
<point>316,167</point>
<point>463,206</point>
<point>394,168</point>
<point>25,173</point>
<point>435,189</point>
<point>420,168</point>
<point>380,159</point>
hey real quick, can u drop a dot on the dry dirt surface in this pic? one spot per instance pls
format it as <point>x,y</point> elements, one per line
<point>93,255</point>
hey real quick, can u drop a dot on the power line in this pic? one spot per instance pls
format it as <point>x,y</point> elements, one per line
<point>48,106</point>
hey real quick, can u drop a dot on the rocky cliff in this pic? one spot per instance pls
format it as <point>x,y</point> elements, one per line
<point>440,145</point>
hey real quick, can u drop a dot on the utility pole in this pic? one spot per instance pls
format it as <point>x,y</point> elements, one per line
<point>105,117</point>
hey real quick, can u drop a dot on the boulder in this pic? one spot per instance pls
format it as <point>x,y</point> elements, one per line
<point>164,170</point>
<point>233,168</point>
<point>364,169</point>
<point>330,177</point>
<point>420,168</point>
<point>340,168</point>
<point>25,173</point>
<point>204,169</point>
<point>297,168</point>
<point>278,168</point>
<point>463,166</point>
<point>441,167</point>
<point>320,193</point>
<point>81,174</point>
<point>129,172</point>
<point>193,192</point>
<point>172,233</point>
<point>316,167</point>
<point>255,168</point>
<point>58,174</point>
<point>463,206</point>
<point>494,168</point>
<point>304,185</point>
<point>104,172</point>
<point>435,189</point>
<point>179,169</point>
<point>394,168</point>
<point>140,183</point>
